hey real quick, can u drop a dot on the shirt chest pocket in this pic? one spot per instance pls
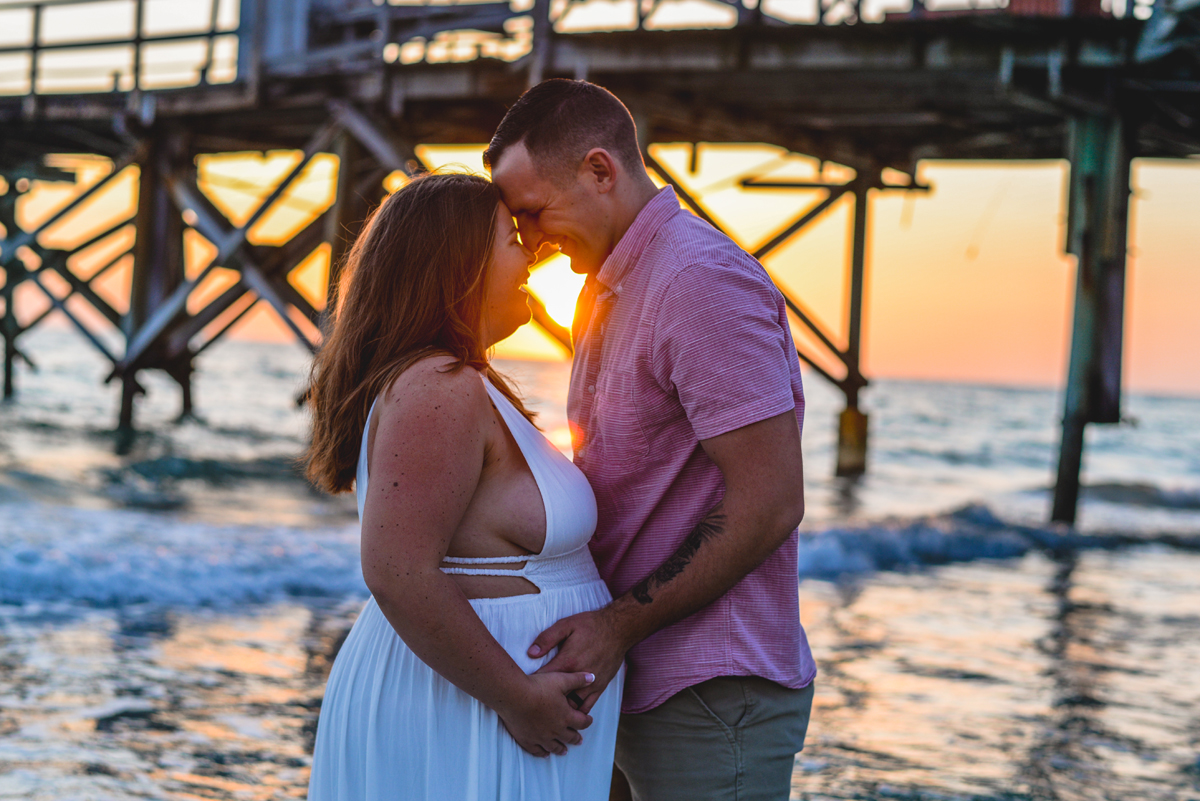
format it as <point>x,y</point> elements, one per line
<point>618,435</point>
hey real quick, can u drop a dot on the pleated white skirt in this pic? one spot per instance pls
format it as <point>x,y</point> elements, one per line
<point>392,728</point>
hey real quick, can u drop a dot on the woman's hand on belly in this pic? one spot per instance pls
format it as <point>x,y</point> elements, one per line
<point>541,719</point>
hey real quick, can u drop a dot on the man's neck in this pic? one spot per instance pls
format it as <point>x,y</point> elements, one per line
<point>640,194</point>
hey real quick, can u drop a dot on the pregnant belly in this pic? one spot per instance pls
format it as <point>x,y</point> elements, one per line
<point>516,621</point>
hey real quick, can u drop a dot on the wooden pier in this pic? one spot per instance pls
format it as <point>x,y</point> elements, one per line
<point>1037,79</point>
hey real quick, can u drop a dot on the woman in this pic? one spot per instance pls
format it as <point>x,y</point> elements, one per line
<point>474,528</point>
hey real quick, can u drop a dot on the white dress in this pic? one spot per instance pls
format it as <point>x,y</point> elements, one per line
<point>392,728</point>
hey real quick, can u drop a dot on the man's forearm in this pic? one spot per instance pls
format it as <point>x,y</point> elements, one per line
<point>718,553</point>
<point>713,525</point>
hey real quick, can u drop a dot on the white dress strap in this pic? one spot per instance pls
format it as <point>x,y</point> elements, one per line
<point>361,476</point>
<point>486,560</point>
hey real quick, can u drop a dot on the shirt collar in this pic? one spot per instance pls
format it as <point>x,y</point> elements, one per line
<point>653,216</point>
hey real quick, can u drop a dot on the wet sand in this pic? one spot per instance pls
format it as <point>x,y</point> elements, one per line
<point>1061,677</point>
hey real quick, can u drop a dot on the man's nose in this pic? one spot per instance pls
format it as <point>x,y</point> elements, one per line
<point>531,235</point>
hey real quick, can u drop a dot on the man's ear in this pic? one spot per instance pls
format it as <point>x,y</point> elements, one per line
<point>600,169</point>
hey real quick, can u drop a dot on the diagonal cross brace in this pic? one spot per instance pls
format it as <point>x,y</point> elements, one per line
<point>58,265</point>
<point>835,194</point>
<point>265,289</point>
<point>61,305</point>
<point>194,325</point>
<point>27,237</point>
<point>234,239</point>
<point>680,190</point>
<point>380,145</point>
<point>279,263</point>
<point>226,326</point>
<point>813,326</point>
<point>229,242</point>
<point>56,262</point>
<point>37,320</point>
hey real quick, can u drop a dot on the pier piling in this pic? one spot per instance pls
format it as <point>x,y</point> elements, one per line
<point>852,424</point>
<point>1097,229</point>
<point>9,328</point>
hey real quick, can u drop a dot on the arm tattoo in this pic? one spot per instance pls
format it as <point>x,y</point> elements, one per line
<point>709,527</point>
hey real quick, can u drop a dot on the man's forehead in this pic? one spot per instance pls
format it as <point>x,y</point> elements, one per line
<point>516,176</point>
<point>514,162</point>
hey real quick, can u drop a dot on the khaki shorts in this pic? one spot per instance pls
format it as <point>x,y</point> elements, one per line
<point>732,737</point>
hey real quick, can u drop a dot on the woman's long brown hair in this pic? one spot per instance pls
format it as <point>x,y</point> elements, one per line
<point>412,287</point>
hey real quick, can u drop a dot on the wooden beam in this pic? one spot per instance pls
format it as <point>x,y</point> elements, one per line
<point>790,230</point>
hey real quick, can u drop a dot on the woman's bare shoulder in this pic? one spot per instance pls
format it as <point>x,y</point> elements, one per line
<point>435,387</point>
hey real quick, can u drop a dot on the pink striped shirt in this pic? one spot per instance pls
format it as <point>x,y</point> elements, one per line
<point>680,337</point>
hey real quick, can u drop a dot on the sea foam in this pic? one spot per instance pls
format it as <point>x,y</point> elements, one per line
<point>115,557</point>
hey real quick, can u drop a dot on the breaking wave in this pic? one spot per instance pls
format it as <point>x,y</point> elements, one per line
<point>119,557</point>
<point>970,533</point>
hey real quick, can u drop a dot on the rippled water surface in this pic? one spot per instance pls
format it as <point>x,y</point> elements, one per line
<point>1068,677</point>
<point>167,619</point>
<point>142,703</point>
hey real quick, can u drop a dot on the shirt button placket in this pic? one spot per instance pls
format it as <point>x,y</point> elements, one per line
<point>593,368</point>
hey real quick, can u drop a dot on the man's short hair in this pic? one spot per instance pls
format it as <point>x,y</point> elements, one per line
<point>560,120</point>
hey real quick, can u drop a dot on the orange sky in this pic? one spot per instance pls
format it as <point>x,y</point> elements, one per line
<point>967,282</point>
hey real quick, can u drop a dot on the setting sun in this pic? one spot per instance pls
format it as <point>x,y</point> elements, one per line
<point>557,287</point>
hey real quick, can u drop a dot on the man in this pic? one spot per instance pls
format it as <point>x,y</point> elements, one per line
<point>685,405</point>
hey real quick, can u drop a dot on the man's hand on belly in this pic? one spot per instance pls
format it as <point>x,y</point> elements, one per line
<point>589,642</point>
<point>764,502</point>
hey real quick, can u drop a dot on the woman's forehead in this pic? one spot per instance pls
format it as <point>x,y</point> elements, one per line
<point>504,217</point>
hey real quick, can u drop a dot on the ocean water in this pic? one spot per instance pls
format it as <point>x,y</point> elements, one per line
<point>167,618</point>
